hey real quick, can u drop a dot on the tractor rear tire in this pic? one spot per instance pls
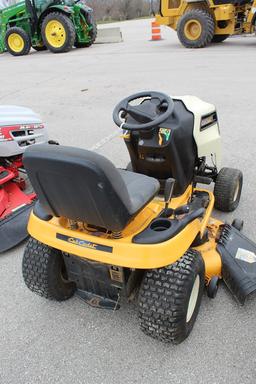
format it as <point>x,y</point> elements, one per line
<point>92,34</point>
<point>170,298</point>
<point>17,41</point>
<point>227,189</point>
<point>219,38</point>
<point>58,32</point>
<point>196,28</point>
<point>44,271</point>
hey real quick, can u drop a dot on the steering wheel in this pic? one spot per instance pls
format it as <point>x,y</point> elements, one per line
<point>161,109</point>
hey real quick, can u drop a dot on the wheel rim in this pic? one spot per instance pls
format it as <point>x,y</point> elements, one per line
<point>16,42</point>
<point>193,29</point>
<point>55,33</point>
<point>236,192</point>
<point>193,298</point>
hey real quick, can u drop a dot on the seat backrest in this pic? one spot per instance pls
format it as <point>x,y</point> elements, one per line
<point>78,184</point>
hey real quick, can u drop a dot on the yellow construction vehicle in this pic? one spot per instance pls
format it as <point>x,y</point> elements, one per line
<point>201,22</point>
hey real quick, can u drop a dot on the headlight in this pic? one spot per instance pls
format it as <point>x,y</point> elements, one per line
<point>208,120</point>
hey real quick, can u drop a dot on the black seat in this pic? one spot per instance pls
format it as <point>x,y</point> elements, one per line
<point>84,186</point>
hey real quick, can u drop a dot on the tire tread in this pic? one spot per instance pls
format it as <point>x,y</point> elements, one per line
<point>162,296</point>
<point>38,269</point>
<point>209,20</point>
<point>223,190</point>
<point>26,38</point>
<point>71,34</point>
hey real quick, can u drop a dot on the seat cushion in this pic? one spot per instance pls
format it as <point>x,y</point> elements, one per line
<point>82,185</point>
<point>141,189</point>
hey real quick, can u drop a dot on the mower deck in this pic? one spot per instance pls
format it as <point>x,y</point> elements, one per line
<point>13,228</point>
<point>15,207</point>
<point>238,255</point>
<point>20,127</point>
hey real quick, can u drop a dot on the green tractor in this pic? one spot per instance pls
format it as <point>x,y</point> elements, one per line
<point>57,25</point>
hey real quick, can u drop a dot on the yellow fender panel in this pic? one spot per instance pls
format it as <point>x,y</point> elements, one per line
<point>121,252</point>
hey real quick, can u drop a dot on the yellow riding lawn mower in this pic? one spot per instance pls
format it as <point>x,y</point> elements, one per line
<point>145,232</point>
<point>201,22</point>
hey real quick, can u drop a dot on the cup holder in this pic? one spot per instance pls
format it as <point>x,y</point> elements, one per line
<point>160,225</point>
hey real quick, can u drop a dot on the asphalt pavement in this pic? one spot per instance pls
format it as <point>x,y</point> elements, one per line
<point>45,342</point>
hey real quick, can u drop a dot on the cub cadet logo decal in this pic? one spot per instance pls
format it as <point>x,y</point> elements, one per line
<point>81,243</point>
<point>163,135</point>
<point>84,243</point>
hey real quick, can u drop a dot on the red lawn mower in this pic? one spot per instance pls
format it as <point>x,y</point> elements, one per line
<point>19,128</point>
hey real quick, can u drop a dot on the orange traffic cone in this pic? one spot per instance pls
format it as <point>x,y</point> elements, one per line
<point>156,31</point>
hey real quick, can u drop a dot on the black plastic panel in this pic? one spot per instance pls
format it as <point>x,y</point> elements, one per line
<point>238,255</point>
<point>13,229</point>
<point>94,282</point>
<point>166,151</point>
<point>163,229</point>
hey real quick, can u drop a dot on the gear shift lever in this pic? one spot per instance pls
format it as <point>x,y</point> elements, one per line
<point>168,191</point>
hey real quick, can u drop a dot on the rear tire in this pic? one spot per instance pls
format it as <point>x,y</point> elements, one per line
<point>228,188</point>
<point>58,32</point>
<point>170,298</point>
<point>219,38</point>
<point>196,28</point>
<point>44,271</point>
<point>17,41</point>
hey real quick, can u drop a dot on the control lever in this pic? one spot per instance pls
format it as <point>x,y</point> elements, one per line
<point>168,191</point>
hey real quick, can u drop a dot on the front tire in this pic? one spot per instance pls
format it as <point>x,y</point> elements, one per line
<point>228,189</point>
<point>17,41</point>
<point>44,271</point>
<point>196,28</point>
<point>170,298</point>
<point>58,32</point>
